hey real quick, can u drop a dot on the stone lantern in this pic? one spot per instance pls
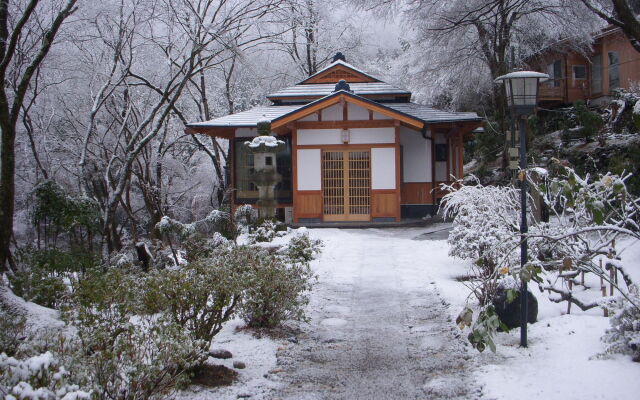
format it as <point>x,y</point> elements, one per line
<point>264,148</point>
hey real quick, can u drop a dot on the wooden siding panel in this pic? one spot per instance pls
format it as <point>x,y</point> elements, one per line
<point>384,204</point>
<point>309,204</point>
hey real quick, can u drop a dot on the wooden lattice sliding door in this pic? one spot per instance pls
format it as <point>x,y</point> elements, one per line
<point>346,185</point>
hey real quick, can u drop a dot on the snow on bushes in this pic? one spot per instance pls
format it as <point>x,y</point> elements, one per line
<point>588,215</point>
<point>37,378</point>
<point>624,335</point>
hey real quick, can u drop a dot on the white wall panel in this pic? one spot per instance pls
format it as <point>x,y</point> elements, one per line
<point>380,116</point>
<point>332,113</point>
<point>383,168</point>
<point>309,169</point>
<point>319,136</point>
<point>372,135</point>
<point>416,156</point>
<point>357,113</point>
<point>310,117</point>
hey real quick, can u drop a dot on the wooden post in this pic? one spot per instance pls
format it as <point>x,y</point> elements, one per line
<point>569,301</point>
<point>611,279</point>
<point>582,279</point>
<point>603,288</point>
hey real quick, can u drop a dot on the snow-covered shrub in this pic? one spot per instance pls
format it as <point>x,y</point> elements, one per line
<point>277,286</point>
<point>122,350</point>
<point>483,329</point>
<point>37,378</point>
<point>624,335</point>
<point>590,122</point>
<point>55,213</point>
<point>202,295</point>
<point>42,274</point>
<point>265,232</point>
<point>13,330</point>
<point>485,231</point>
<point>302,248</point>
<point>246,215</point>
<point>198,247</point>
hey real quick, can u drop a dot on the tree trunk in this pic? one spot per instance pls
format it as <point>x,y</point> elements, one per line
<point>7,181</point>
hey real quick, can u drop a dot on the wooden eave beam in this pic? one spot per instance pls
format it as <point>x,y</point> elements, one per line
<point>224,133</point>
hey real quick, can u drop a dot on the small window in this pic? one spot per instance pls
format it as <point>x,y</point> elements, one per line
<point>596,74</point>
<point>579,72</point>
<point>268,161</point>
<point>614,70</point>
<point>441,152</point>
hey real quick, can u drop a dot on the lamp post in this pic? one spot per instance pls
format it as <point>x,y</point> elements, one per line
<point>522,97</point>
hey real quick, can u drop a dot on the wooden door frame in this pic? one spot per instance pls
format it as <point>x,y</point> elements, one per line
<point>345,149</point>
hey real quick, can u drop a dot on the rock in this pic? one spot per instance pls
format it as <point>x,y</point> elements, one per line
<point>509,313</point>
<point>239,365</point>
<point>244,395</point>
<point>219,353</point>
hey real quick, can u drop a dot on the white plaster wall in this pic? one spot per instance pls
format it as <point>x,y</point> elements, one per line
<point>246,132</point>
<point>310,117</point>
<point>332,113</point>
<point>372,135</point>
<point>309,169</point>
<point>416,156</point>
<point>383,168</point>
<point>357,113</point>
<point>441,166</point>
<point>319,136</point>
<point>379,116</point>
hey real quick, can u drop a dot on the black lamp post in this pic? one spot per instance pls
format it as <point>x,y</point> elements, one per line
<point>522,97</point>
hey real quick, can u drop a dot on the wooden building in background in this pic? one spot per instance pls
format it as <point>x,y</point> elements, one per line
<point>612,64</point>
<point>357,148</point>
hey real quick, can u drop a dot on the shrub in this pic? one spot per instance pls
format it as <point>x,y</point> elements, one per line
<point>42,274</point>
<point>277,284</point>
<point>302,248</point>
<point>13,330</point>
<point>204,294</point>
<point>123,351</point>
<point>266,231</point>
<point>246,215</point>
<point>38,377</point>
<point>624,335</point>
<point>590,122</point>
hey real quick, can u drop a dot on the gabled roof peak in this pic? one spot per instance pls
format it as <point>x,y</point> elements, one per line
<point>337,70</point>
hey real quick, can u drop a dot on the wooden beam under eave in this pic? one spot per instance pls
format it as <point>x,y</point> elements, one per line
<point>224,133</point>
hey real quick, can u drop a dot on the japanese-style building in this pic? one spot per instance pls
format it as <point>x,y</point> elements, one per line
<point>357,148</point>
<point>612,63</point>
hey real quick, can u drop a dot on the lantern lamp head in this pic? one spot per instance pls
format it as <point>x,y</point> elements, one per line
<point>522,89</point>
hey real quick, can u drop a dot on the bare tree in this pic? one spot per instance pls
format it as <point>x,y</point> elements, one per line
<point>620,13</point>
<point>27,34</point>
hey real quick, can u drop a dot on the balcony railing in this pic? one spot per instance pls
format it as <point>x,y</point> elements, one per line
<point>552,90</point>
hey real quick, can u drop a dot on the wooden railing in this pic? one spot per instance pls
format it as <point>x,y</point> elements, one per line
<point>552,90</point>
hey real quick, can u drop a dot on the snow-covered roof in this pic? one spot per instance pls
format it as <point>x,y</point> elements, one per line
<point>420,112</point>
<point>333,64</point>
<point>325,89</point>
<point>248,118</point>
<point>432,115</point>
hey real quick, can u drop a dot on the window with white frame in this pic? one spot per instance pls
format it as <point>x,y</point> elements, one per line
<point>579,72</point>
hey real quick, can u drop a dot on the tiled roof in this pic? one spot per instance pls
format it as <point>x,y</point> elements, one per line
<point>432,115</point>
<point>249,117</point>
<point>325,89</point>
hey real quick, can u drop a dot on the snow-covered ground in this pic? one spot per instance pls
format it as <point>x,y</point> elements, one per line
<point>381,327</point>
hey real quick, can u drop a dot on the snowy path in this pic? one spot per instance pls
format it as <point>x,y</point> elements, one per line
<point>379,329</point>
